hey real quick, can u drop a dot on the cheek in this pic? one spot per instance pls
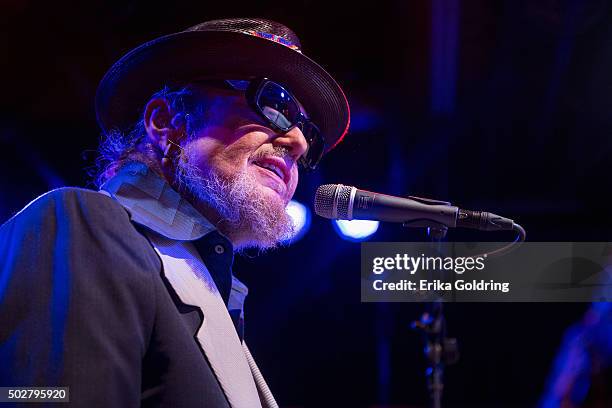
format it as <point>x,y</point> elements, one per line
<point>294,181</point>
<point>211,153</point>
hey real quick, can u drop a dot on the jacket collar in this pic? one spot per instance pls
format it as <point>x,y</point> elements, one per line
<point>153,203</point>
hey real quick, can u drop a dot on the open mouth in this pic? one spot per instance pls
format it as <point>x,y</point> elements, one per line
<point>275,166</point>
<point>272,168</point>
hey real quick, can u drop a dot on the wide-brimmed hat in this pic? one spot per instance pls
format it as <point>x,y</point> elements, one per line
<point>236,48</point>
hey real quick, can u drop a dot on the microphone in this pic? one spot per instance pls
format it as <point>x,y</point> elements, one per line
<point>340,202</point>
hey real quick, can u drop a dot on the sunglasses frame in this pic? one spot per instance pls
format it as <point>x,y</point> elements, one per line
<point>311,132</point>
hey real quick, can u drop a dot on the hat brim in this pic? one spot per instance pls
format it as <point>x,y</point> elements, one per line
<point>190,55</point>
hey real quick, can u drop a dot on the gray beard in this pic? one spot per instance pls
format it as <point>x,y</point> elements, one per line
<point>248,217</point>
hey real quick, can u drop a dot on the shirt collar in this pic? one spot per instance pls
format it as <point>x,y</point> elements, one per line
<point>153,203</point>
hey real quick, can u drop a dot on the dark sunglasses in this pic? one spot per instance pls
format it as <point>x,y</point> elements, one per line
<point>283,112</point>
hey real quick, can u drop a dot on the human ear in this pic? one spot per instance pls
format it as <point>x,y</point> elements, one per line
<point>162,125</point>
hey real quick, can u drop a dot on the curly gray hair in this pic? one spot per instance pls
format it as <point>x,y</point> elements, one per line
<point>119,147</point>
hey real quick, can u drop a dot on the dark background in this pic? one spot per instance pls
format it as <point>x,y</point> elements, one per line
<point>498,105</point>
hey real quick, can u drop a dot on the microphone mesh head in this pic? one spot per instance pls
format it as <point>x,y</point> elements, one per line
<point>324,200</point>
<point>332,201</point>
<point>344,196</point>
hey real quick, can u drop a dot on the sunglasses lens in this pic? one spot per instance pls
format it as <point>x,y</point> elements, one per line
<point>316,146</point>
<point>284,112</point>
<point>278,106</point>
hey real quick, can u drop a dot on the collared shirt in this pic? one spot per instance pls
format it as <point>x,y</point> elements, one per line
<point>155,205</point>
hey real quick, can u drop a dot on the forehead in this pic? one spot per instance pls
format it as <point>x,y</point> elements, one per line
<point>221,94</point>
<point>213,92</point>
<point>223,106</point>
<point>217,98</point>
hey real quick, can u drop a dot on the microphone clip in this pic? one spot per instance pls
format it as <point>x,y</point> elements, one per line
<point>435,230</point>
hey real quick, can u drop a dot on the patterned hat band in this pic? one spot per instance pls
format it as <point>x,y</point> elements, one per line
<point>275,38</point>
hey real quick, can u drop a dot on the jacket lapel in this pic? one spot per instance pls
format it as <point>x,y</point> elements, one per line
<point>217,336</point>
<point>172,223</point>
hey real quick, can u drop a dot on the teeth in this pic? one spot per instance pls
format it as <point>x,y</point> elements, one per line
<point>273,168</point>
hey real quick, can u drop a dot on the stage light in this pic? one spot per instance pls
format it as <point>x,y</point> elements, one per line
<point>300,215</point>
<point>355,230</point>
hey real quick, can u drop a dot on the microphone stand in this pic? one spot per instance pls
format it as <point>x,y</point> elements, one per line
<point>439,349</point>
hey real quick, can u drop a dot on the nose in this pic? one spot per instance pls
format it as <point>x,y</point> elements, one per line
<point>294,141</point>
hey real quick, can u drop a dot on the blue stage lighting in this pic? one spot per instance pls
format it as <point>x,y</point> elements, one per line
<point>300,215</point>
<point>355,230</point>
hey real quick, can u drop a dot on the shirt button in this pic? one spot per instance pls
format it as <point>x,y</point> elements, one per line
<point>219,249</point>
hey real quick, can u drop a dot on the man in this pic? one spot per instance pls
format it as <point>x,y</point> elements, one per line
<point>125,295</point>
